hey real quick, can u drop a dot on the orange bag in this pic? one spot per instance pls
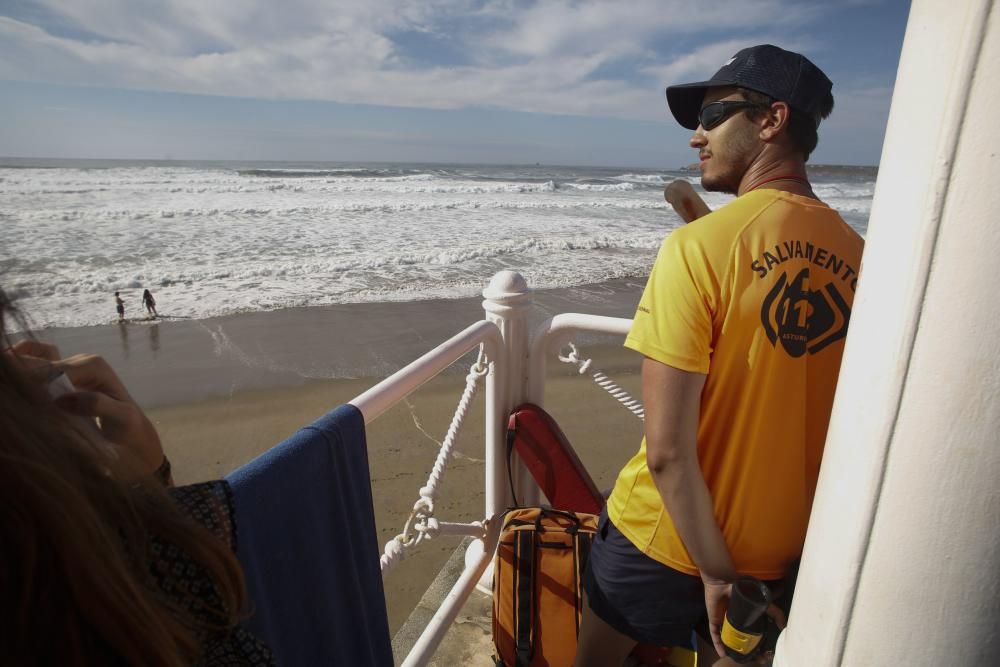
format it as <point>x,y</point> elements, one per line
<point>537,591</point>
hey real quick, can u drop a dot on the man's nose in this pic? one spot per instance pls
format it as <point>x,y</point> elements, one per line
<point>698,138</point>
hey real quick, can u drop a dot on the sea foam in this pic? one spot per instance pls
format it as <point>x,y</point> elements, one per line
<point>215,239</point>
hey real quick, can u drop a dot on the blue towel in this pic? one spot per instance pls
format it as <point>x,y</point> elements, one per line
<point>307,543</point>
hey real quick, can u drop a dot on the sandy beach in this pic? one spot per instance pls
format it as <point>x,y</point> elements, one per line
<point>221,391</point>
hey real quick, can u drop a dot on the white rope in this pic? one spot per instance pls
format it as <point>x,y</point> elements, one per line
<point>473,528</point>
<point>604,382</point>
<point>421,524</point>
<point>396,549</point>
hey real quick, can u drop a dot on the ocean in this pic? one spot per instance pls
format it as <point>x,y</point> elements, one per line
<point>217,238</point>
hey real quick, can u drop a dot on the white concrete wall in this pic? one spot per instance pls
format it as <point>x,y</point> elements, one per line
<point>902,559</point>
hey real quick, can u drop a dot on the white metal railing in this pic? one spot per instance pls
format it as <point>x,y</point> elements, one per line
<point>375,401</point>
<point>398,386</point>
<point>516,374</point>
<point>555,332</point>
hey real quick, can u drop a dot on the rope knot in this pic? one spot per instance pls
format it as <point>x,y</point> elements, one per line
<point>425,504</point>
<point>480,368</point>
<point>395,549</point>
<point>572,358</point>
<point>428,528</point>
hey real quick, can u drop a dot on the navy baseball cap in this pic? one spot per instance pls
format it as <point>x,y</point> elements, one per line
<point>786,76</point>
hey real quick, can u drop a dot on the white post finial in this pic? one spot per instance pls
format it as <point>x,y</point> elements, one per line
<point>507,292</point>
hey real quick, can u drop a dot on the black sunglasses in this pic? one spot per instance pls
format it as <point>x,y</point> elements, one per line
<point>713,113</point>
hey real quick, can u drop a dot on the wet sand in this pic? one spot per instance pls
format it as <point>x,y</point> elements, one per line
<point>222,391</point>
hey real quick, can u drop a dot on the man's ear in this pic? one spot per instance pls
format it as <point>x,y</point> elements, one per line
<point>774,120</point>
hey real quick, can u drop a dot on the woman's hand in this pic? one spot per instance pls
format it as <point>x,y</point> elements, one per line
<point>100,394</point>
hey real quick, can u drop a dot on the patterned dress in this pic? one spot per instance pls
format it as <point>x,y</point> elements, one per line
<point>186,584</point>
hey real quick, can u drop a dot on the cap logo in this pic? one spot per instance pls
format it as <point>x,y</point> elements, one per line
<point>730,61</point>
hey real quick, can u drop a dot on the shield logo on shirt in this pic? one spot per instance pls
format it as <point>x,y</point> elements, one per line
<point>802,319</point>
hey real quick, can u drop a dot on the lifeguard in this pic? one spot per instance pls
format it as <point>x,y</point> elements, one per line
<point>741,361</point>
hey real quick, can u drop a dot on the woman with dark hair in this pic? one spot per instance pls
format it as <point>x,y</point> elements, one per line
<point>149,302</point>
<point>101,561</point>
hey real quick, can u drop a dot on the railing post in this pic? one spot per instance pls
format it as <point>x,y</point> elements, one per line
<point>507,302</point>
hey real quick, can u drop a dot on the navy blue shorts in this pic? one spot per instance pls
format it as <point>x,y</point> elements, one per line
<point>648,601</point>
<point>640,597</point>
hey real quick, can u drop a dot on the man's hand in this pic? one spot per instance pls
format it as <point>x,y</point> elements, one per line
<point>685,201</point>
<point>717,594</point>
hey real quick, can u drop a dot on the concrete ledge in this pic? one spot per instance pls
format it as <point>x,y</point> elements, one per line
<point>469,641</point>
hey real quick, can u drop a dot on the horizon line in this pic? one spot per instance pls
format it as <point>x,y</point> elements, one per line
<point>686,167</point>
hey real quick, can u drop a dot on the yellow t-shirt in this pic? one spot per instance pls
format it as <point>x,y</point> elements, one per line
<point>757,295</point>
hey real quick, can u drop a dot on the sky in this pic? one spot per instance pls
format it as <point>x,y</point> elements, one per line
<point>570,82</point>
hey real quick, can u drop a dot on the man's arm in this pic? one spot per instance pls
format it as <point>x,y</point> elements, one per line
<point>672,400</point>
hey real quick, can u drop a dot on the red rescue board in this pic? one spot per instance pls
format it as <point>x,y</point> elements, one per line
<point>551,460</point>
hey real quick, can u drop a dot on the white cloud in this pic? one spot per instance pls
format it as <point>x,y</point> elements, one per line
<point>544,58</point>
<point>560,26</point>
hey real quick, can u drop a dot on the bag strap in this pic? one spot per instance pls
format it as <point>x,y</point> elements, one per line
<point>511,436</point>
<point>544,512</point>
<point>581,552</point>
<point>524,606</point>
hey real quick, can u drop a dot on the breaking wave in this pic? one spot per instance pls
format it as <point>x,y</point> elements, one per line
<point>221,238</point>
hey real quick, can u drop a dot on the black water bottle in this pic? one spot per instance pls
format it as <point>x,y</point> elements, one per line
<point>746,619</point>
